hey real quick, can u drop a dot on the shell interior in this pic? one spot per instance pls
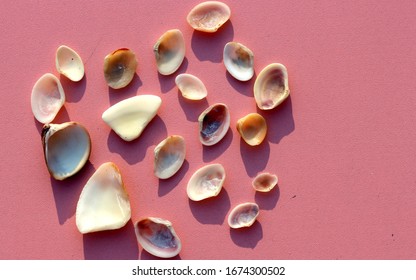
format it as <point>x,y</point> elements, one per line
<point>119,68</point>
<point>206,182</point>
<point>264,182</point>
<point>169,156</point>
<point>169,51</point>
<point>238,60</point>
<point>208,16</point>
<point>252,128</point>
<point>191,87</point>
<point>243,215</point>
<point>214,123</point>
<point>69,63</point>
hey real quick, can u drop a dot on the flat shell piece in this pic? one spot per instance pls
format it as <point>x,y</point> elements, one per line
<point>206,182</point>
<point>214,123</point>
<point>69,63</point>
<point>169,51</point>
<point>47,98</point>
<point>238,60</point>
<point>119,68</point>
<point>169,156</point>
<point>208,16</point>
<point>264,182</point>
<point>104,203</point>
<point>191,87</point>
<point>157,237</point>
<point>271,86</point>
<point>128,118</point>
<point>252,128</point>
<point>243,215</point>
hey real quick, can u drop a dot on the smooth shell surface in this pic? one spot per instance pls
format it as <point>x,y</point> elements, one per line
<point>243,215</point>
<point>214,123</point>
<point>169,51</point>
<point>47,98</point>
<point>157,237</point>
<point>69,63</point>
<point>208,16</point>
<point>169,156</point>
<point>252,128</point>
<point>119,68</point>
<point>191,87</point>
<point>206,182</point>
<point>271,86</point>
<point>238,60</point>
<point>264,182</point>
<point>66,147</point>
<point>104,203</point>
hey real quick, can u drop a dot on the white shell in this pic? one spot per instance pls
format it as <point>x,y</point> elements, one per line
<point>264,182</point>
<point>243,215</point>
<point>252,128</point>
<point>206,182</point>
<point>238,60</point>
<point>191,87</point>
<point>47,98</point>
<point>128,118</point>
<point>69,63</point>
<point>169,156</point>
<point>214,123</point>
<point>104,203</point>
<point>169,51</point>
<point>208,16</point>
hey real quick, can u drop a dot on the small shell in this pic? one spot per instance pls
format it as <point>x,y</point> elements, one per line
<point>243,215</point>
<point>69,63</point>
<point>157,237</point>
<point>66,147</point>
<point>119,68</point>
<point>47,98</point>
<point>264,182</point>
<point>213,124</point>
<point>169,156</point>
<point>252,128</point>
<point>208,16</point>
<point>191,87</point>
<point>271,86</point>
<point>169,51</point>
<point>104,203</point>
<point>239,60</point>
<point>206,182</point>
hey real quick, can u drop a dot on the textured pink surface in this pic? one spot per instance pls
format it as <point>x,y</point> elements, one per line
<point>343,145</point>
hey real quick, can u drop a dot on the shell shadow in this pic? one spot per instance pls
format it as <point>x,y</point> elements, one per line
<point>192,108</point>
<point>147,256</point>
<point>117,95</point>
<point>210,153</point>
<point>267,200</point>
<point>74,91</point>
<point>167,185</point>
<point>255,158</point>
<point>212,210</point>
<point>167,82</point>
<point>245,88</point>
<point>247,237</point>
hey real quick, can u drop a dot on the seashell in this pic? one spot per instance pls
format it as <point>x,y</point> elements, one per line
<point>264,182</point>
<point>128,118</point>
<point>252,128</point>
<point>243,215</point>
<point>66,147</point>
<point>238,60</point>
<point>104,203</point>
<point>191,87</point>
<point>69,63</point>
<point>271,86</point>
<point>208,16</point>
<point>119,68</point>
<point>47,98</point>
<point>206,182</point>
<point>157,237</point>
<point>169,51</point>
<point>169,156</point>
<point>213,124</point>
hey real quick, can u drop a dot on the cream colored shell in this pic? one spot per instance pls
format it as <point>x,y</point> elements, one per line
<point>191,87</point>
<point>208,16</point>
<point>69,63</point>
<point>169,156</point>
<point>243,215</point>
<point>169,51</point>
<point>239,61</point>
<point>206,182</point>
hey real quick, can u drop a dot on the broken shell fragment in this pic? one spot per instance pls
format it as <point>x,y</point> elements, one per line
<point>208,16</point>
<point>191,87</point>
<point>169,156</point>
<point>271,86</point>
<point>66,147</point>
<point>104,203</point>
<point>69,63</point>
<point>119,68</point>
<point>264,182</point>
<point>243,215</point>
<point>47,98</point>
<point>206,182</point>
<point>238,60</point>
<point>128,118</point>
<point>169,51</point>
<point>214,123</point>
<point>157,237</point>
<point>252,128</point>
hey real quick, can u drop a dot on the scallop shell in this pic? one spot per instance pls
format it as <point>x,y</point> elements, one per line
<point>191,87</point>
<point>238,60</point>
<point>169,156</point>
<point>66,147</point>
<point>264,182</point>
<point>271,86</point>
<point>243,215</point>
<point>119,68</point>
<point>69,63</point>
<point>214,123</point>
<point>169,51</point>
<point>47,98</point>
<point>252,128</point>
<point>206,182</point>
<point>208,16</point>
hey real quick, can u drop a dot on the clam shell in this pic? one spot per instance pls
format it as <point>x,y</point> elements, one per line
<point>66,147</point>
<point>252,128</point>
<point>208,16</point>
<point>47,98</point>
<point>238,60</point>
<point>214,123</point>
<point>264,182</point>
<point>271,86</point>
<point>243,215</point>
<point>206,182</point>
<point>69,63</point>
<point>169,51</point>
<point>169,156</point>
<point>104,203</point>
<point>119,68</point>
<point>191,87</point>
<point>157,237</point>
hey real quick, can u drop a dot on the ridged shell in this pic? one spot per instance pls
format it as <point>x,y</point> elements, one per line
<point>208,16</point>
<point>169,156</point>
<point>69,63</point>
<point>206,182</point>
<point>238,60</point>
<point>119,68</point>
<point>264,182</point>
<point>214,123</point>
<point>169,51</point>
<point>243,215</point>
<point>252,128</point>
<point>191,87</point>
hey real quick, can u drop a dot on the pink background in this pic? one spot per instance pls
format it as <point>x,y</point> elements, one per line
<point>343,144</point>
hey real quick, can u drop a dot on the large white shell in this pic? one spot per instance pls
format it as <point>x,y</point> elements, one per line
<point>104,203</point>
<point>243,215</point>
<point>214,123</point>
<point>264,182</point>
<point>69,63</point>
<point>47,98</point>
<point>169,51</point>
<point>208,16</point>
<point>252,128</point>
<point>238,60</point>
<point>169,156</point>
<point>206,182</point>
<point>191,87</point>
<point>119,68</point>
